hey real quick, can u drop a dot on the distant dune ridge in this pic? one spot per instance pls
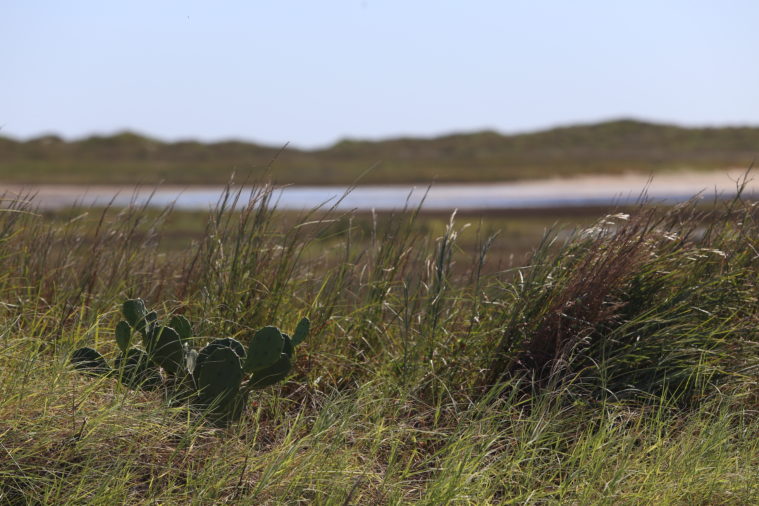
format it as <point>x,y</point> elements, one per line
<point>604,148</point>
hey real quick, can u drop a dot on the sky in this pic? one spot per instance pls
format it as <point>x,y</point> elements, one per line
<point>312,72</point>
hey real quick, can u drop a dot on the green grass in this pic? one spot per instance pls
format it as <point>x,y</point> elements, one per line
<point>605,148</point>
<point>616,365</point>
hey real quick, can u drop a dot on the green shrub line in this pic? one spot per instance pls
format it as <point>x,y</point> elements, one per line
<point>611,147</point>
<point>618,363</point>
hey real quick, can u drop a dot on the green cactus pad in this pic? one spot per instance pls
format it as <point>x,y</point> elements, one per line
<point>301,331</point>
<point>219,378</point>
<point>288,348</point>
<point>272,374</point>
<point>276,372</point>
<point>225,342</point>
<point>147,324</point>
<point>182,326</point>
<point>134,311</point>
<point>149,330</point>
<point>167,350</point>
<point>135,370</point>
<point>264,349</point>
<point>123,335</point>
<point>90,361</point>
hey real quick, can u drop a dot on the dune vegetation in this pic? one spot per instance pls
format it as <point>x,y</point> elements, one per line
<point>612,147</point>
<point>617,364</point>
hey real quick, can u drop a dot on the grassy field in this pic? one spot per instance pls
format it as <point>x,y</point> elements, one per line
<point>447,364</point>
<point>605,148</point>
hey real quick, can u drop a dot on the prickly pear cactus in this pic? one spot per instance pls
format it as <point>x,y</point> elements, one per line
<point>277,371</point>
<point>217,379</point>
<point>301,331</point>
<point>165,345</point>
<point>135,370</point>
<point>166,349</point>
<point>182,326</point>
<point>123,335</point>
<point>134,311</point>
<point>226,342</point>
<point>90,361</point>
<point>264,349</point>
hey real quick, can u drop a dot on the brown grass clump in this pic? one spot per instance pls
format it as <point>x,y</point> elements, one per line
<point>586,302</point>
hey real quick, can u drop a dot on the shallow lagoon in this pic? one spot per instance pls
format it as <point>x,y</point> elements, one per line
<point>550,193</point>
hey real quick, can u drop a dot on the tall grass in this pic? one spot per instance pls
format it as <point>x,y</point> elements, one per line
<point>648,304</point>
<point>619,365</point>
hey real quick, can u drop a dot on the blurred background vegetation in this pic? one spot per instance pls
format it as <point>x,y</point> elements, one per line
<point>610,148</point>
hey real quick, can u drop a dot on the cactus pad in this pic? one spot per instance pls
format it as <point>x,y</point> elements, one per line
<point>135,370</point>
<point>147,324</point>
<point>167,350</point>
<point>134,311</point>
<point>219,378</point>
<point>123,335</point>
<point>90,361</point>
<point>301,331</point>
<point>182,326</point>
<point>226,342</point>
<point>264,349</point>
<point>272,374</point>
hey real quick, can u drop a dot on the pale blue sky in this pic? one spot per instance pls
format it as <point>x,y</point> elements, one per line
<point>311,72</point>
